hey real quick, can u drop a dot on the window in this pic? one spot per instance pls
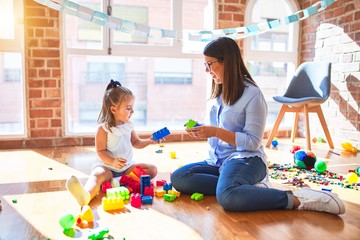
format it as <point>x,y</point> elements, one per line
<point>166,75</point>
<point>272,56</point>
<point>12,117</point>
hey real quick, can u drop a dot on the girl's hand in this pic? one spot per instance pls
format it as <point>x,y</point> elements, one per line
<point>152,141</point>
<point>202,131</point>
<point>119,163</point>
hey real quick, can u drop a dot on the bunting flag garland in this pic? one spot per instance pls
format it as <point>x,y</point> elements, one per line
<point>131,27</point>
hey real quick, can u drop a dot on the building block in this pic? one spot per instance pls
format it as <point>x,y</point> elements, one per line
<point>197,196</point>
<point>169,197</point>
<point>131,184</point>
<point>149,191</point>
<point>146,199</point>
<point>134,176</point>
<point>105,186</point>
<point>144,182</point>
<point>160,182</point>
<point>173,192</point>
<point>191,123</point>
<point>135,200</point>
<point>112,203</point>
<point>98,233</point>
<point>160,193</point>
<point>118,192</point>
<point>160,134</point>
<point>167,187</point>
<point>138,171</point>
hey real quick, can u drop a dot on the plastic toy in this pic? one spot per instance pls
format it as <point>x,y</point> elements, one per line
<point>160,193</point>
<point>131,184</point>
<point>173,155</point>
<point>351,178</point>
<point>112,203</point>
<point>304,159</point>
<point>148,191</point>
<point>86,214</point>
<point>167,187</point>
<point>357,171</point>
<point>98,233</point>
<point>197,196</point>
<point>160,134</point>
<point>274,142</point>
<point>349,147</point>
<point>173,192</point>
<point>144,182</point>
<point>118,192</point>
<point>320,166</point>
<point>67,221</point>
<point>136,200</point>
<point>294,149</point>
<point>169,197</point>
<point>105,186</point>
<point>146,199</point>
<point>191,123</point>
<point>160,183</point>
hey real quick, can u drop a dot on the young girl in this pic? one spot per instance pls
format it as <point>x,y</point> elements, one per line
<point>114,142</point>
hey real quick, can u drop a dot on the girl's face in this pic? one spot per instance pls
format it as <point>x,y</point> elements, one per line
<point>215,68</point>
<point>123,112</point>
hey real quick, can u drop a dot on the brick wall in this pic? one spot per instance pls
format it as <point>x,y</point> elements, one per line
<point>334,35</point>
<point>44,76</point>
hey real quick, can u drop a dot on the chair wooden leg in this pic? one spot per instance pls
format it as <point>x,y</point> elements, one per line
<point>276,125</point>
<point>307,127</point>
<point>324,126</point>
<point>295,127</point>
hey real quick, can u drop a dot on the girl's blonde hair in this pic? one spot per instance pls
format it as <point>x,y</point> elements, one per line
<point>114,95</point>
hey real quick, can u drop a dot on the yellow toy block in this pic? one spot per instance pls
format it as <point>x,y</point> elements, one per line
<point>112,203</point>
<point>173,192</point>
<point>159,193</point>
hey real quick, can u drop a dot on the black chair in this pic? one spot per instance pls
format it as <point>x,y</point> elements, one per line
<point>308,89</point>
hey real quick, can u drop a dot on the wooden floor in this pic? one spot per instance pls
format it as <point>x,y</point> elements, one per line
<point>33,197</point>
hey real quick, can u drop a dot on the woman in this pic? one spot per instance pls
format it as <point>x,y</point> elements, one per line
<point>236,170</point>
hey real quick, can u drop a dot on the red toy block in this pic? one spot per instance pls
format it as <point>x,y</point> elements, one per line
<point>160,182</point>
<point>105,186</point>
<point>149,191</point>
<point>135,200</point>
<point>138,171</point>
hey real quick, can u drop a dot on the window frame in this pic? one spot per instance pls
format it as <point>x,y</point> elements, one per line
<point>174,50</point>
<point>274,56</point>
<point>16,45</point>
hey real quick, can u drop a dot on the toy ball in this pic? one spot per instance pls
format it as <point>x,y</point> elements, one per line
<point>304,159</point>
<point>351,177</point>
<point>320,166</point>
<point>274,142</point>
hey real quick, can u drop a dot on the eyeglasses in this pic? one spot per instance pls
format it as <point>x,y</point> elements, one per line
<point>208,64</point>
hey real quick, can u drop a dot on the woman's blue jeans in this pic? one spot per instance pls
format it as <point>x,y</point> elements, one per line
<point>234,186</point>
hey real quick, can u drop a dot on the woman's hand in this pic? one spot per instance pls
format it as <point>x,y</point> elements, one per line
<point>202,131</point>
<point>119,163</point>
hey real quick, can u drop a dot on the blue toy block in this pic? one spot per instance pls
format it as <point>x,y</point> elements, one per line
<point>160,134</point>
<point>144,182</point>
<point>146,200</point>
<point>167,187</point>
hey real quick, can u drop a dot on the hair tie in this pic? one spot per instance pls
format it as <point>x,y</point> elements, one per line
<point>115,83</point>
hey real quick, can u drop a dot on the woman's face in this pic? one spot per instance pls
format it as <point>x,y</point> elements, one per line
<point>215,68</point>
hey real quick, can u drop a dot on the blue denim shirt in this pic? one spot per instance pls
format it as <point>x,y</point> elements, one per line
<point>247,118</point>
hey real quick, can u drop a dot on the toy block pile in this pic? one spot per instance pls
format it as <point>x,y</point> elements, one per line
<point>135,187</point>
